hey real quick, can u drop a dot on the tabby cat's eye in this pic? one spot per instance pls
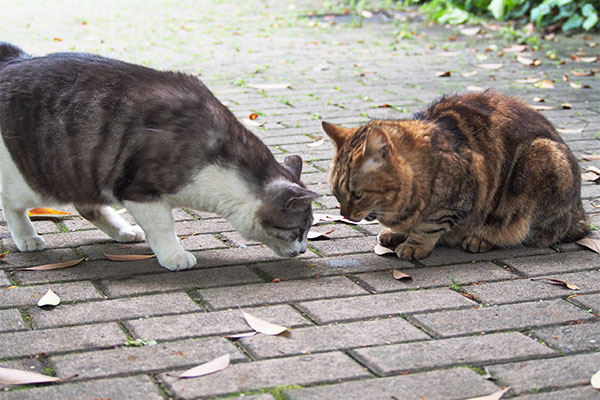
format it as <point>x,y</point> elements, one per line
<point>357,194</point>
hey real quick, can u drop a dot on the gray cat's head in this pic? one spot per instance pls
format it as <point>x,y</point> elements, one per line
<point>285,214</point>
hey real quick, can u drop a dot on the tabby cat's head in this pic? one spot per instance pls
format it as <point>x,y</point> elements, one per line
<point>369,176</point>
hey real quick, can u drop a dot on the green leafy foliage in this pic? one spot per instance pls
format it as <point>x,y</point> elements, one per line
<point>570,15</point>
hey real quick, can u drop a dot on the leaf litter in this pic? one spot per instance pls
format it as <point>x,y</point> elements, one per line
<point>592,244</point>
<point>553,281</point>
<point>9,376</point>
<point>401,276</point>
<point>216,365</point>
<point>128,257</point>
<point>45,212</point>
<point>49,267</point>
<point>49,299</point>
<point>595,381</point>
<point>494,396</point>
<point>262,326</point>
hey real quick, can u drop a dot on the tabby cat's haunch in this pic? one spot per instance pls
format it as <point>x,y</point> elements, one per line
<point>479,170</point>
<point>92,131</point>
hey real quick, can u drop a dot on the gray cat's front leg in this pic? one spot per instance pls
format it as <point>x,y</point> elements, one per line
<point>156,220</point>
<point>22,230</point>
<point>111,223</point>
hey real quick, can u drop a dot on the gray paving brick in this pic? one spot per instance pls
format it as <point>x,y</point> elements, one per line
<point>182,280</point>
<point>450,255</point>
<point>591,301</point>
<point>296,269</point>
<point>498,318</point>
<point>16,259</point>
<point>68,292</point>
<point>281,292</point>
<point>201,242</point>
<point>131,360</point>
<point>49,341</point>
<point>556,264</point>
<point>113,310</point>
<point>436,276</point>
<point>333,337</point>
<point>26,364</point>
<point>224,322</point>
<point>212,225</point>
<point>11,320</point>
<point>302,370</point>
<point>571,338</point>
<point>4,281</point>
<point>477,350</point>
<point>95,252</point>
<point>136,387</point>
<point>577,393</point>
<point>343,246</point>
<point>381,305</point>
<point>68,239</point>
<point>521,290</point>
<point>552,373</point>
<point>458,383</point>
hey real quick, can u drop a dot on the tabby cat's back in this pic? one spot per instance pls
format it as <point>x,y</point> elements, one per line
<point>478,169</point>
<point>93,131</point>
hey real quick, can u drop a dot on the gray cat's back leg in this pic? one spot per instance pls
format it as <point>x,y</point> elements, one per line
<point>16,197</point>
<point>108,221</point>
<point>156,220</point>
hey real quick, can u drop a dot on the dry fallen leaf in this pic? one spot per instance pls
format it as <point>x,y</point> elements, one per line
<point>595,381</point>
<point>528,61</point>
<point>43,211</point>
<point>592,244</point>
<point>469,74</point>
<point>268,86</point>
<point>316,144</point>
<point>494,396</point>
<point>48,267</point>
<point>10,376</point>
<point>4,254</point>
<point>443,74</point>
<point>262,326</point>
<point>582,73</point>
<point>319,235</point>
<point>539,99</point>
<point>558,282</point>
<point>128,257</point>
<point>382,250</point>
<point>542,108</point>
<point>216,365</point>
<point>517,48</point>
<point>575,85</point>
<point>400,276</point>
<point>589,176</point>
<point>318,218</point>
<point>584,59</point>
<point>566,106</point>
<point>49,299</point>
<point>471,31</point>
<point>569,130</point>
<point>544,84</point>
<point>473,88</point>
<point>592,157</point>
<point>490,66</point>
<point>253,122</point>
<point>241,335</point>
<point>253,116</point>
<point>528,80</point>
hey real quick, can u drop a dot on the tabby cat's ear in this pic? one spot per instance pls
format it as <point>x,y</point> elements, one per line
<point>337,133</point>
<point>376,148</point>
<point>294,165</point>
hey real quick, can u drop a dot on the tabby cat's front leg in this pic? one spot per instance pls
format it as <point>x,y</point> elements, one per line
<point>157,222</point>
<point>417,246</point>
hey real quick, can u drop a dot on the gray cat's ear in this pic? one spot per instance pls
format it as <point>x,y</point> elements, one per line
<point>294,165</point>
<point>337,134</point>
<point>375,151</point>
<point>298,196</point>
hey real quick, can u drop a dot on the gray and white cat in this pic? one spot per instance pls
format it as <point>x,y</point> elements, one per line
<point>93,131</point>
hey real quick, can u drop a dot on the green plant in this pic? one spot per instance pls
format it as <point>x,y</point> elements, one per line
<point>454,285</point>
<point>139,342</point>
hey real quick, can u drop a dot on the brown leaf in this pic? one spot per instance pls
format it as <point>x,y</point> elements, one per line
<point>490,66</point>
<point>253,116</point>
<point>539,99</point>
<point>319,235</point>
<point>316,143</point>
<point>400,276</point>
<point>517,48</point>
<point>575,85</point>
<point>592,244</point>
<point>262,326</point>
<point>43,211</point>
<point>542,108</point>
<point>216,365</point>
<point>589,177</point>
<point>593,157</point>
<point>544,84</point>
<point>582,73</point>
<point>128,257</point>
<point>48,267</point>
<point>585,59</point>
<point>566,106</point>
<point>4,254</point>
<point>444,74</point>
<point>494,396</point>
<point>382,250</point>
<point>268,86</point>
<point>595,381</point>
<point>318,218</point>
<point>384,106</point>
<point>10,376</point>
<point>558,282</point>
<point>528,61</point>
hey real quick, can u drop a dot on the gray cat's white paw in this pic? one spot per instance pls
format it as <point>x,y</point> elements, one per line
<point>35,243</point>
<point>178,261</point>
<point>132,233</point>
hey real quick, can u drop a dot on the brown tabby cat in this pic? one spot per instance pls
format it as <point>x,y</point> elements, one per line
<point>477,169</point>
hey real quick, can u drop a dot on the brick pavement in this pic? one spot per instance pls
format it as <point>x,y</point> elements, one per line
<point>356,333</point>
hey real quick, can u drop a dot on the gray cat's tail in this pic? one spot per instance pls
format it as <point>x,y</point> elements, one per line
<point>10,52</point>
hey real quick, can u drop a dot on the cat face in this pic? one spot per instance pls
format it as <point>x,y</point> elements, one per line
<point>368,176</point>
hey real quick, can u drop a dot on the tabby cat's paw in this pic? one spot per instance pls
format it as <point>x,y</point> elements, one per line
<point>35,243</point>
<point>178,261</point>
<point>407,251</point>
<point>475,245</point>
<point>389,238</point>
<point>132,233</point>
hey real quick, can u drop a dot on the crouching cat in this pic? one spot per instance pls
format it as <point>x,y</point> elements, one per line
<point>93,131</point>
<point>478,170</point>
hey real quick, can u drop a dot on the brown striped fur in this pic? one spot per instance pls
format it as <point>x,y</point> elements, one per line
<point>480,170</point>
